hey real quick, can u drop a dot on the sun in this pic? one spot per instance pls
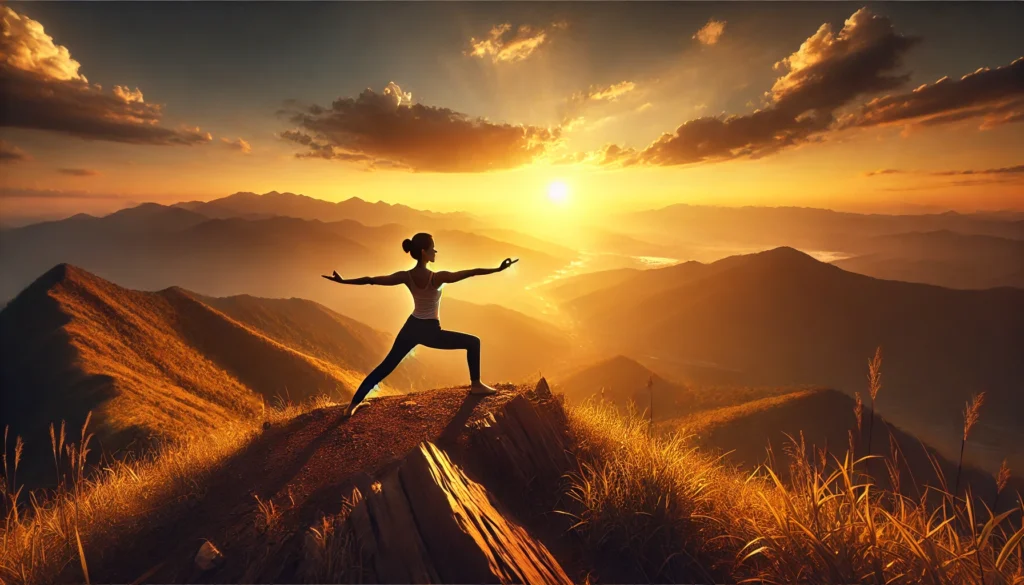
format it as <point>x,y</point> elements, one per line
<point>558,193</point>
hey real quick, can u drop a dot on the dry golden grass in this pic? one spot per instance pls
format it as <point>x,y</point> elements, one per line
<point>104,506</point>
<point>677,514</point>
<point>329,550</point>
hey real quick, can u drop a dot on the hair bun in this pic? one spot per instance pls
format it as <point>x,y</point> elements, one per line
<point>407,245</point>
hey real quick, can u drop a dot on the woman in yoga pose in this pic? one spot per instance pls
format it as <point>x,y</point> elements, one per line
<point>423,326</point>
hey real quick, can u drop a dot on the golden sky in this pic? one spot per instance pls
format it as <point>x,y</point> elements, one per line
<point>484,108</point>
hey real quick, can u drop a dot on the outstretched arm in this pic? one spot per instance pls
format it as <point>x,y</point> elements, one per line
<point>443,276</point>
<point>389,280</point>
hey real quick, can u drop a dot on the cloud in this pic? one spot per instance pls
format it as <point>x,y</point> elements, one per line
<point>1012,170</point>
<point>710,32</point>
<point>1016,169</point>
<point>44,90</point>
<point>610,93</point>
<point>595,95</point>
<point>386,129</point>
<point>994,95</point>
<point>503,47</point>
<point>79,172</point>
<point>828,71</point>
<point>237,144</point>
<point>12,154</point>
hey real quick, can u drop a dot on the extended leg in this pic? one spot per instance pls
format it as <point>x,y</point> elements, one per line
<point>454,340</point>
<point>398,351</point>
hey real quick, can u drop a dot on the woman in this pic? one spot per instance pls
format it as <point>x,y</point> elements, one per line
<point>423,326</point>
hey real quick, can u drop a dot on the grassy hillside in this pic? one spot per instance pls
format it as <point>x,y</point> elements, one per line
<point>755,432</point>
<point>160,365</point>
<point>661,509</point>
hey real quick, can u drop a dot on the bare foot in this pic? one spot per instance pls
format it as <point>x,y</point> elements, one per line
<point>481,389</point>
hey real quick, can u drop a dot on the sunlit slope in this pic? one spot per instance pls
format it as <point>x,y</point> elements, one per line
<point>148,364</point>
<point>783,318</point>
<point>319,332</point>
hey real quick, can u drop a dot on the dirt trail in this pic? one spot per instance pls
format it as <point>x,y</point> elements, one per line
<point>303,467</point>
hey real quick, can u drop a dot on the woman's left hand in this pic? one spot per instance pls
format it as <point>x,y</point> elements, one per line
<point>506,263</point>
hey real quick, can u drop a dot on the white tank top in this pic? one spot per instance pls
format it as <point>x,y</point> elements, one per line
<point>426,300</point>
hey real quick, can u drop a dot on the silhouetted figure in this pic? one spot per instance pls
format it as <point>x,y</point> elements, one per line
<point>423,327</point>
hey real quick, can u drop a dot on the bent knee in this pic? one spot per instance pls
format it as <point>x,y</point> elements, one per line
<point>473,342</point>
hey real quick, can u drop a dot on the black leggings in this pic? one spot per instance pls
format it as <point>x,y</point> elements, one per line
<point>426,332</point>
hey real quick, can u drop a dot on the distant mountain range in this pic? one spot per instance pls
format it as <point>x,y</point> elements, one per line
<point>805,228</point>
<point>780,317</point>
<point>255,206</point>
<point>154,246</point>
<point>945,258</point>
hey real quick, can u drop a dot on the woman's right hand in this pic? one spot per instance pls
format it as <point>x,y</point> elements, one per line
<point>334,277</point>
<point>506,263</point>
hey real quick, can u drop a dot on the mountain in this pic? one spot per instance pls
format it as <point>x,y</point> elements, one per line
<point>621,380</point>
<point>254,206</point>
<point>943,258</point>
<point>782,318</point>
<point>164,365</point>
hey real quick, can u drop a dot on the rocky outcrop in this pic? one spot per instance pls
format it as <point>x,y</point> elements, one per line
<point>426,521</point>
<point>523,445</point>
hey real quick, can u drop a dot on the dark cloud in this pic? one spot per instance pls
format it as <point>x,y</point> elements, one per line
<point>79,172</point>
<point>994,95</point>
<point>828,71</point>
<point>1013,170</point>
<point>387,129</point>
<point>1017,169</point>
<point>11,154</point>
<point>43,90</point>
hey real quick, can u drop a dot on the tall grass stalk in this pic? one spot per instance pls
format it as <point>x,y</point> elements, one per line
<point>972,412</point>
<point>874,385</point>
